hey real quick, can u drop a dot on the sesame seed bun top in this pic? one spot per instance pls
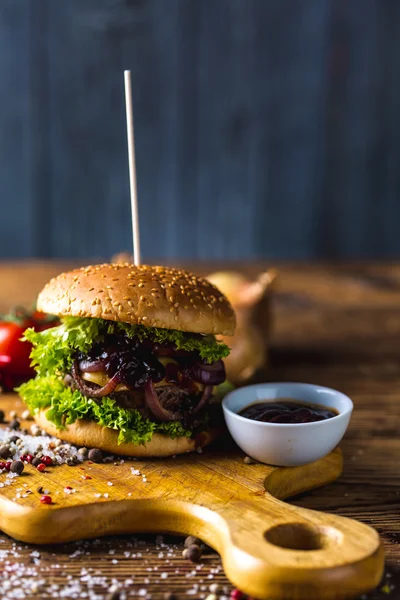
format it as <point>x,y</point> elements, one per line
<point>145,295</point>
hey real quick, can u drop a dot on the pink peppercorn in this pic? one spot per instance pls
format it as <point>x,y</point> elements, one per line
<point>27,458</point>
<point>46,460</point>
<point>41,467</point>
<point>46,500</point>
<point>236,595</point>
<point>2,466</point>
<point>8,466</point>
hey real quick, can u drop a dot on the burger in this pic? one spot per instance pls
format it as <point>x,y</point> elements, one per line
<point>134,368</point>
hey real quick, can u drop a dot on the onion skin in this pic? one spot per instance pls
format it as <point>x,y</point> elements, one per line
<point>251,302</point>
<point>93,392</point>
<point>213,374</point>
<point>203,400</point>
<point>154,405</point>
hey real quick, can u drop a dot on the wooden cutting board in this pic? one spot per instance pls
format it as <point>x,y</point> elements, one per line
<point>269,549</point>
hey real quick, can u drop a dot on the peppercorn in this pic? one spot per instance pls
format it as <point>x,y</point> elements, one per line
<point>192,553</point>
<point>36,461</point>
<point>8,466</point>
<point>14,424</point>
<point>95,455</point>
<point>190,540</point>
<point>46,500</point>
<point>17,466</point>
<point>47,460</point>
<point>236,595</point>
<point>35,430</point>
<point>4,452</point>
<point>2,415</point>
<point>41,467</point>
<point>14,439</point>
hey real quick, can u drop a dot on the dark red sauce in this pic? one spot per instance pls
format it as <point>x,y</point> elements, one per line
<point>286,410</point>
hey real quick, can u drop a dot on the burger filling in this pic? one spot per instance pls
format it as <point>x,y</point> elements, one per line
<point>135,379</point>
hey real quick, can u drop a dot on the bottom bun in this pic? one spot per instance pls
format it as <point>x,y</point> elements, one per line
<point>92,435</point>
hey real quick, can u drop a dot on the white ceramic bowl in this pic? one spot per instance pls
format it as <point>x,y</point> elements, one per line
<point>286,444</point>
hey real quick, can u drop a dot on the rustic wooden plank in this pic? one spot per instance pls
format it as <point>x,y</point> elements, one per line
<point>257,125</point>
<point>86,103</point>
<point>18,132</point>
<point>289,93</point>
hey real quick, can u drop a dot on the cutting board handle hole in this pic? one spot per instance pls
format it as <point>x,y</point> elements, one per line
<point>302,536</point>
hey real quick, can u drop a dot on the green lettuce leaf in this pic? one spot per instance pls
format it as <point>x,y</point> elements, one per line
<point>66,406</point>
<point>54,348</point>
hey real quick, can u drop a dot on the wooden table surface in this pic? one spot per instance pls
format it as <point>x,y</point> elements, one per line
<point>333,325</point>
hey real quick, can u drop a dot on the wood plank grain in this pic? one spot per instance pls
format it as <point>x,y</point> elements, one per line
<point>261,130</point>
<point>18,133</point>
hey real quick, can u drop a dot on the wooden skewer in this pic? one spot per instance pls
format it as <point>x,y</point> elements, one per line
<point>132,168</point>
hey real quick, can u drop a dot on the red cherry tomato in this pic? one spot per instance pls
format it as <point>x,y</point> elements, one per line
<point>14,354</point>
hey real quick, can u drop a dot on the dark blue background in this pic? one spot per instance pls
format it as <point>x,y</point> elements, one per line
<point>264,128</point>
